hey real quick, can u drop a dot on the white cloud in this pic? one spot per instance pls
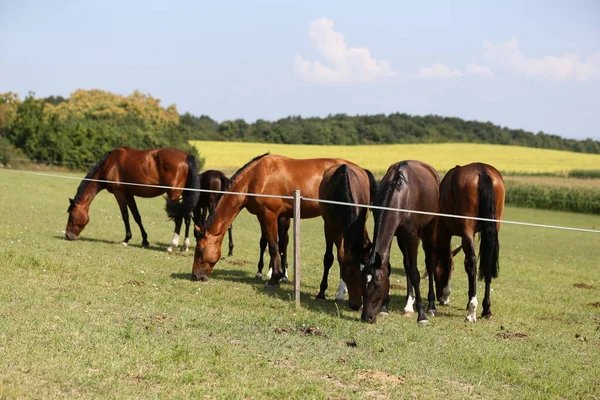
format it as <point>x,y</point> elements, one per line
<point>550,67</point>
<point>437,71</point>
<point>481,70</point>
<point>341,64</point>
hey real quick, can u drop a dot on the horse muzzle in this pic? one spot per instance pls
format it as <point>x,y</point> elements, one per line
<point>71,236</point>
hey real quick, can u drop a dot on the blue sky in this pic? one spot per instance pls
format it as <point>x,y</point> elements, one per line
<point>533,65</point>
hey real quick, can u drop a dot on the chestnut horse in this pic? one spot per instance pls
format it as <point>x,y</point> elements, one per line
<point>216,180</point>
<point>346,226</point>
<point>264,175</point>
<point>474,190</point>
<point>409,185</point>
<point>212,180</point>
<point>157,167</point>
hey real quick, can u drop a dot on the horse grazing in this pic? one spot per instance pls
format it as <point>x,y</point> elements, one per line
<point>264,175</point>
<point>345,226</point>
<point>157,167</point>
<point>409,185</point>
<point>474,190</point>
<point>216,180</point>
<point>212,180</point>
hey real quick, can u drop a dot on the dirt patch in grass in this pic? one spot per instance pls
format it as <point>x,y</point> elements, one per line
<point>511,335</point>
<point>134,283</point>
<point>595,304</point>
<point>284,330</point>
<point>239,262</point>
<point>312,330</point>
<point>397,286</point>
<point>380,377</point>
<point>583,286</point>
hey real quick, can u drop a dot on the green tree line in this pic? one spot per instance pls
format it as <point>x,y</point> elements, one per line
<point>343,129</point>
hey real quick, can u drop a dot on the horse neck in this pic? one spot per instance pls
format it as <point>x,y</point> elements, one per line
<point>90,192</point>
<point>228,207</point>
<point>383,237</point>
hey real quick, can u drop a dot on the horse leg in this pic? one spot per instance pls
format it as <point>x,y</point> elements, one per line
<point>410,296</point>
<point>175,240</point>
<point>283,225</point>
<point>261,262</point>
<point>415,278</point>
<point>487,302</point>
<point>445,240</point>
<point>125,215</point>
<point>230,230</point>
<point>269,227</point>
<point>429,249</point>
<point>138,219</point>
<point>186,243</point>
<point>327,263</point>
<point>471,270</point>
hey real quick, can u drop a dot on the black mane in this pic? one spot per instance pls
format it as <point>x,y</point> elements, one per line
<point>384,191</point>
<point>211,217</point>
<point>84,183</point>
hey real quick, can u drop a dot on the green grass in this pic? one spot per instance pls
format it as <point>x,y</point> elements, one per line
<point>96,319</point>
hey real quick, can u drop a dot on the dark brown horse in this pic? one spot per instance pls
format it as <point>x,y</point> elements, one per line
<point>157,167</point>
<point>266,175</point>
<point>212,180</point>
<point>474,190</point>
<point>345,226</point>
<point>409,185</point>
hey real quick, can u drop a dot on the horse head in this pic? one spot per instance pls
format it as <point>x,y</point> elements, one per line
<point>78,219</point>
<point>443,272</point>
<point>351,264</point>
<point>208,252</point>
<point>376,283</point>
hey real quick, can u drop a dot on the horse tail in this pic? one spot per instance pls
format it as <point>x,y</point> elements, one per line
<point>341,192</point>
<point>373,186</point>
<point>224,181</point>
<point>180,209</point>
<point>489,249</point>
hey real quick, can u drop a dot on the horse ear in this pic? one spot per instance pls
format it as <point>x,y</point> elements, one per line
<point>456,250</point>
<point>72,202</point>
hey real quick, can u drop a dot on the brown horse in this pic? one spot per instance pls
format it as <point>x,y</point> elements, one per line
<point>264,175</point>
<point>346,226</point>
<point>212,180</point>
<point>409,185</point>
<point>474,190</point>
<point>157,167</point>
<point>216,180</point>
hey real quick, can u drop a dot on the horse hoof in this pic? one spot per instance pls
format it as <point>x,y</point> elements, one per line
<point>271,284</point>
<point>432,312</point>
<point>320,297</point>
<point>423,321</point>
<point>124,243</point>
<point>408,313</point>
<point>339,298</point>
<point>487,316</point>
<point>258,275</point>
<point>169,250</point>
<point>285,280</point>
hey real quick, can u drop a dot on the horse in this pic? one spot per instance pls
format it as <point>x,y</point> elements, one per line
<point>473,190</point>
<point>345,226</point>
<point>145,169</point>
<point>263,175</point>
<point>212,180</point>
<point>409,185</point>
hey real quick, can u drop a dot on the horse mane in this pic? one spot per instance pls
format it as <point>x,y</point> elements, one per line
<point>384,191</point>
<point>85,182</point>
<point>342,193</point>
<point>230,182</point>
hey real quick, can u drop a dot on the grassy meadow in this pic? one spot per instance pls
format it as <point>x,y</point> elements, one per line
<point>229,156</point>
<point>96,319</point>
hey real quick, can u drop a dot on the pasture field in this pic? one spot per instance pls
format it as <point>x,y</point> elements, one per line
<point>229,156</point>
<point>96,319</point>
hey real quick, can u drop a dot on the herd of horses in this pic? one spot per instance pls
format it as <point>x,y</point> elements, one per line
<point>410,204</point>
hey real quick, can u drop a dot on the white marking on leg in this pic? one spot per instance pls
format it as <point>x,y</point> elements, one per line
<point>124,243</point>
<point>472,310</point>
<point>258,275</point>
<point>445,299</point>
<point>174,243</point>
<point>186,244</point>
<point>369,277</point>
<point>341,290</point>
<point>269,273</point>
<point>409,308</point>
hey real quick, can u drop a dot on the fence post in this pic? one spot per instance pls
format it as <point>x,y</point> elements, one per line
<point>297,247</point>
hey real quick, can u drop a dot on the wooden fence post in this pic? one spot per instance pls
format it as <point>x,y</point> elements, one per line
<point>297,247</point>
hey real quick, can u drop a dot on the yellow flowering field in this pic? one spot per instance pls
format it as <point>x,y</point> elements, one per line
<point>229,156</point>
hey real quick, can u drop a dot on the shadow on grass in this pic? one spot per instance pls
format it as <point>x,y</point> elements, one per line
<point>158,246</point>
